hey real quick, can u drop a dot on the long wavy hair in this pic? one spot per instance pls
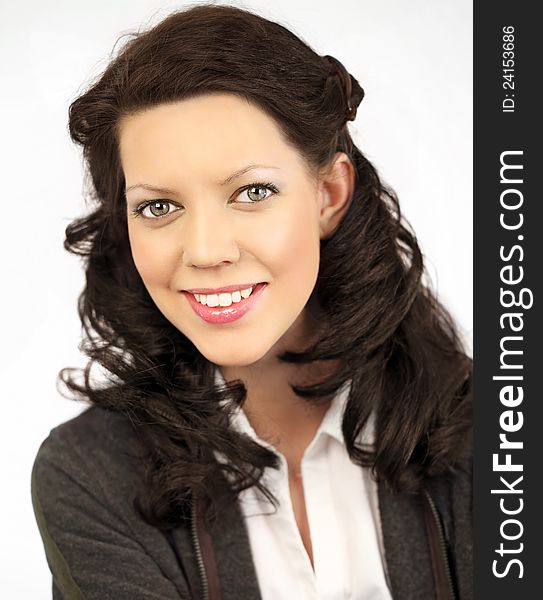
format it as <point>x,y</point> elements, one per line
<point>384,327</point>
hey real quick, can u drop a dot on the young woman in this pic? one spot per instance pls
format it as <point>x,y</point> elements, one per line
<point>288,411</point>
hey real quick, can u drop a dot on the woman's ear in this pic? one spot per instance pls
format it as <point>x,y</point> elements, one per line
<point>335,190</point>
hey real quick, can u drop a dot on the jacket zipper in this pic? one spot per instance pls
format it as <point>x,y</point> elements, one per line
<point>198,552</point>
<point>442,544</point>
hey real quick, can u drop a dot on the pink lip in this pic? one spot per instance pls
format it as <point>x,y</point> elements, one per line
<point>226,314</point>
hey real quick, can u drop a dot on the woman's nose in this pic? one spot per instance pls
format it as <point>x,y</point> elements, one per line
<point>208,239</point>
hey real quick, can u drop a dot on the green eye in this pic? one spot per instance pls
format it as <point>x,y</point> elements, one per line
<point>259,196</point>
<point>257,192</point>
<point>156,208</point>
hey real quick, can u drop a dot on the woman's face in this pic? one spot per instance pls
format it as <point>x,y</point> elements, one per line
<point>224,202</point>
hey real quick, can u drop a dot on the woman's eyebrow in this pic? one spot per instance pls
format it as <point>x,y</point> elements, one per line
<point>229,179</point>
<point>149,188</point>
<point>244,170</point>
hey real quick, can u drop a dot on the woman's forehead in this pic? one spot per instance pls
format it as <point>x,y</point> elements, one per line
<point>209,120</point>
<point>220,133</point>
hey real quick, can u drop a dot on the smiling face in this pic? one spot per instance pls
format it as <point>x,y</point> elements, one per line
<point>202,215</point>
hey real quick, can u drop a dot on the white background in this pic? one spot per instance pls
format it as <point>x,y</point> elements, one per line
<point>414,60</point>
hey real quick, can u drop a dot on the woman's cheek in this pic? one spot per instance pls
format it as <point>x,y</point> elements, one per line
<point>149,260</point>
<point>297,250</point>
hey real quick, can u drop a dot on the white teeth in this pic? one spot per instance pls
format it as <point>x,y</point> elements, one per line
<point>224,298</point>
<point>212,300</point>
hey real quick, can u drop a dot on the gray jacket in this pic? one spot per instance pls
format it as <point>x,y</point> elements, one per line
<point>89,469</point>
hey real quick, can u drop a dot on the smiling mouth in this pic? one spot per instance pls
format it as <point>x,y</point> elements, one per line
<point>225,307</point>
<point>224,299</point>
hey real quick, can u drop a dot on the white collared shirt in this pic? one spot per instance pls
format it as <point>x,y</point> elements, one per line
<point>343,515</point>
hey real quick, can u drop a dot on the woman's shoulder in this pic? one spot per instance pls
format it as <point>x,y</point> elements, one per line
<point>97,447</point>
<point>85,477</point>
<point>94,421</point>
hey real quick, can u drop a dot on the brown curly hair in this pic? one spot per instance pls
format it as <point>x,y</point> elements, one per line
<point>399,346</point>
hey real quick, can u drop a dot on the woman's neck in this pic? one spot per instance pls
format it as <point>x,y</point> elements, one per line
<point>277,415</point>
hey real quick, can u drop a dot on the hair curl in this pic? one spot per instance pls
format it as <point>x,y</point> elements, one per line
<point>399,346</point>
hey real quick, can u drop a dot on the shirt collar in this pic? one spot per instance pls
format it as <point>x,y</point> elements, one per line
<point>330,425</point>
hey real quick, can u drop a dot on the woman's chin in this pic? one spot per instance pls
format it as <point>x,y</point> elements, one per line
<point>234,357</point>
